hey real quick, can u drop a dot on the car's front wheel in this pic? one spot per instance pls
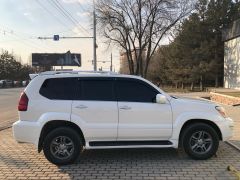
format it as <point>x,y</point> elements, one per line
<point>200,141</point>
<point>62,146</point>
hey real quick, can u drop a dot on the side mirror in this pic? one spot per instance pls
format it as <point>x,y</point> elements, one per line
<point>161,99</point>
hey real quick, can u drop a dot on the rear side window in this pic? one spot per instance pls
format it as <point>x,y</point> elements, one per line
<point>131,90</point>
<point>96,89</point>
<point>59,88</point>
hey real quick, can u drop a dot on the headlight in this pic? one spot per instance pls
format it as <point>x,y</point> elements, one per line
<point>221,110</point>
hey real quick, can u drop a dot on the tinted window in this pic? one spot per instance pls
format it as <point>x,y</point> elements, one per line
<point>97,89</point>
<point>59,88</point>
<point>135,91</point>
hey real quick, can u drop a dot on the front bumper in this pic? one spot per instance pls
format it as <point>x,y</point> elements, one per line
<point>27,131</point>
<point>226,128</point>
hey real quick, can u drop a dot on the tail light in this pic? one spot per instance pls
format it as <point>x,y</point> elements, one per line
<point>23,102</point>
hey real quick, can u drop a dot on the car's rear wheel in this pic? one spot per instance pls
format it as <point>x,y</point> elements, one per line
<point>62,146</point>
<point>200,141</point>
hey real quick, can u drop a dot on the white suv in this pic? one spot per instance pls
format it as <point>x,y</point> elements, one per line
<point>64,112</point>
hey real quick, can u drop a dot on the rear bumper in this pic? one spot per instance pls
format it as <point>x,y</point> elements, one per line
<point>226,128</point>
<point>25,131</point>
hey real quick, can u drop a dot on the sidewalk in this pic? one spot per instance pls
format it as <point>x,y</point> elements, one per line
<point>21,161</point>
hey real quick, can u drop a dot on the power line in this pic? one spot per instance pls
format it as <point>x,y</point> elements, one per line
<point>66,14</point>
<point>22,38</point>
<point>59,32</point>
<point>56,17</point>
<point>53,15</point>
<point>70,15</point>
<point>26,42</point>
<point>80,5</point>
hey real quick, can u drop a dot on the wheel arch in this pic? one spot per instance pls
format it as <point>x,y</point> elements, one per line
<point>204,121</point>
<point>50,125</point>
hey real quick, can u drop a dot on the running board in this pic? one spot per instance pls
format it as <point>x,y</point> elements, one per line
<point>129,143</point>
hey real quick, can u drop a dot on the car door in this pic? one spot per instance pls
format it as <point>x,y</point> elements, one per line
<point>140,117</point>
<point>95,108</point>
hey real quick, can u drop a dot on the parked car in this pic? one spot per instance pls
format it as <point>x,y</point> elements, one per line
<point>17,83</point>
<point>63,112</point>
<point>6,83</point>
<point>25,83</point>
<point>1,83</point>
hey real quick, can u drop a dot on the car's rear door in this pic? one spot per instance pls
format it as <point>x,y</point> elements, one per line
<point>95,108</point>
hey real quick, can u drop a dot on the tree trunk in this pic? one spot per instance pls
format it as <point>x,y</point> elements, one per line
<point>201,83</point>
<point>182,85</point>
<point>192,86</point>
<point>216,81</point>
<point>176,85</point>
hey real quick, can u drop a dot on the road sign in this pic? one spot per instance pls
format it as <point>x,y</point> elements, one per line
<point>56,37</point>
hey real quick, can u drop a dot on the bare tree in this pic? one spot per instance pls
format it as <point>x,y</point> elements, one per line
<point>138,26</point>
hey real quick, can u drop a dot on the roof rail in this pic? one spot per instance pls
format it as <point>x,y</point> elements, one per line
<point>75,72</point>
<point>32,76</point>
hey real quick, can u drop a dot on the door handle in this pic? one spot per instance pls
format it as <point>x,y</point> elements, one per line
<point>81,107</point>
<point>125,107</point>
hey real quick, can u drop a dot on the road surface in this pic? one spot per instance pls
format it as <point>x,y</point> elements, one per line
<point>8,106</point>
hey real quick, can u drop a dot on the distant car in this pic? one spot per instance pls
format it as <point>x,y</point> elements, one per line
<point>17,83</point>
<point>6,83</point>
<point>25,83</point>
<point>1,83</point>
<point>63,112</point>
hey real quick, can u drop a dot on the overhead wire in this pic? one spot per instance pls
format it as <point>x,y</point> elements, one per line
<point>67,15</point>
<point>77,22</point>
<point>25,38</point>
<point>81,7</point>
<point>21,37</point>
<point>52,15</point>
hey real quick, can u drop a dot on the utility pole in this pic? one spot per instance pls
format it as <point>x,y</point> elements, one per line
<point>94,38</point>
<point>56,38</point>
<point>111,63</point>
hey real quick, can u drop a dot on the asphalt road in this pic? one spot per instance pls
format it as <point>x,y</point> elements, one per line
<point>8,106</point>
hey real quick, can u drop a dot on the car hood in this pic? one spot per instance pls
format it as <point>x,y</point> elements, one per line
<point>190,100</point>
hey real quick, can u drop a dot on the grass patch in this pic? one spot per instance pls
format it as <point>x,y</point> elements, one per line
<point>234,94</point>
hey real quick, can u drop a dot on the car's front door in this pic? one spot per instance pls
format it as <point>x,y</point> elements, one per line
<point>95,109</point>
<point>140,117</point>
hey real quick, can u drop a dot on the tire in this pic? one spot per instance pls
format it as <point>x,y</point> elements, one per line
<point>62,146</point>
<point>199,145</point>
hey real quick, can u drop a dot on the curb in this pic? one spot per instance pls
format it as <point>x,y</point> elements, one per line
<point>5,127</point>
<point>233,145</point>
<point>229,98</point>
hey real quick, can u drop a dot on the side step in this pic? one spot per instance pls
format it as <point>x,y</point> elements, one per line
<point>129,143</point>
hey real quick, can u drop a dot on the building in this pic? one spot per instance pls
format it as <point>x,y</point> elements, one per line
<point>231,38</point>
<point>124,67</point>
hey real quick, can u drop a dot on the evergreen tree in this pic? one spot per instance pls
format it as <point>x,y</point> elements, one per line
<point>11,69</point>
<point>196,54</point>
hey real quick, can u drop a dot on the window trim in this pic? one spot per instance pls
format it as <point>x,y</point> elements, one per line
<point>137,81</point>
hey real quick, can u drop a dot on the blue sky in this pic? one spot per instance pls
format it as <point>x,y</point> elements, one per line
<point>22,21</point>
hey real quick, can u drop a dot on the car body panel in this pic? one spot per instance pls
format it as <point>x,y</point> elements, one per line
<point>98,119</point>
<point>100,123</point>
<point>144,121</point>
